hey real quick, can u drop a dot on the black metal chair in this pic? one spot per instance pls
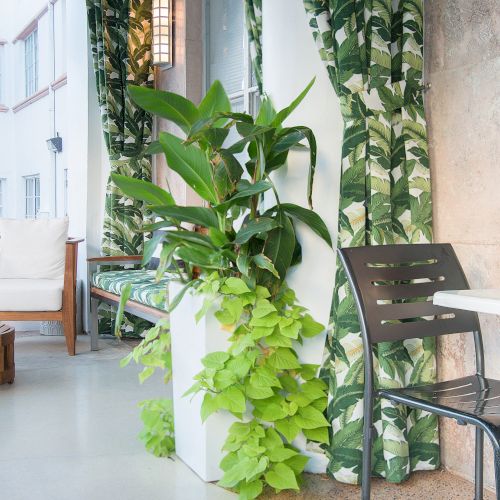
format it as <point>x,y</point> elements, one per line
<point>384,279</point>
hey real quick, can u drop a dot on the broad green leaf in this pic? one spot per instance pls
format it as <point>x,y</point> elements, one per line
<point>280,454</point>
<point>121,308</point>
<point>282,477</point>
<point>251,490</point>
<point>267,113</point>
<point>215,359</point>
<point>245,190</point>
<point>284,359</point>
<point>150,247</point>
<point>191,164</point>
<point>215,100</point>
<point>264,262</point>
<point>285,112</point>
<point>142,190</point>
<point>288,428</point>
<point>256,392</point>
<point>255,226</point>
<point>238,472</point>
<point>320,434</point>
<point>202,216</point>
<point>264,377</point>
<point>310,218</point>
<point>310,418</point>
<point>297,463</point>
<point>280,244</point>
<point>310,328</point>
<point>177,299</point>
<point>154,148</point>
<point>235,286</point>
<point>262,308</point>
<point>168,105</point>
<point>232,399</point>
<point>209,406</point>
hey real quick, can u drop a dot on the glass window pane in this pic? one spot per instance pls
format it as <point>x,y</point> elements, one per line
<point>225,43</point>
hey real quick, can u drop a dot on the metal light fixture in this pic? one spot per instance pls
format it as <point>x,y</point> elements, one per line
<point>54,144</point>
<point>162,33</point>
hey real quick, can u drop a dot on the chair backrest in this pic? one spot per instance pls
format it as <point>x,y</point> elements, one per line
<point>393,287</point>
<point>33,248</point>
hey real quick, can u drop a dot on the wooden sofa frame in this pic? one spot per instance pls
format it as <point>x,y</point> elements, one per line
<point>97,295</point>
<point>67,314</point>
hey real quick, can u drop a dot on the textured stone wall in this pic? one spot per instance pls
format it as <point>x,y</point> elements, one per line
<point>462,63</point>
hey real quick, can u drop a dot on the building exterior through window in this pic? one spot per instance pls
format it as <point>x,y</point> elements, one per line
<point>31,63</point>
<point>32,196</point>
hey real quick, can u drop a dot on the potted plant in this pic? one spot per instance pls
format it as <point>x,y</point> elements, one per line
<point>236,327</point>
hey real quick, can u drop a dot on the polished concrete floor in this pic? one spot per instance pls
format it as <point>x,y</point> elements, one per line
<point>68,431</point>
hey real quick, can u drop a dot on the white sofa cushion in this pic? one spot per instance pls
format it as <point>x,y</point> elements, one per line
<point>31,295</point>
<point>33,249</point>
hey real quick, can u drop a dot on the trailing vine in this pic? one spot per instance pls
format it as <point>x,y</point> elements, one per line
<point>261,381</point>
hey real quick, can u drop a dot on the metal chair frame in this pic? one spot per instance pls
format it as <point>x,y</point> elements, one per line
<point>418,271</point>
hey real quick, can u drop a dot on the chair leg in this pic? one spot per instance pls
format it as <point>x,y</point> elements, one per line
<point>69,327</point>
<point>367,450</point>
<point>94,325</point>
<point>479,464</point>
<point>496,448</point>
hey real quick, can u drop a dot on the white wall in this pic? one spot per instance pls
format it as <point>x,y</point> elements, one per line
<point>290,62</point>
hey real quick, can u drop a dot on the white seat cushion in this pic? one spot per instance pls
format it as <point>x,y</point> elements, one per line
<point>33,249</point>
<point>31,295</point>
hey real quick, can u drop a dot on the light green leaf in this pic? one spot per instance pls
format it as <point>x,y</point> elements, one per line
<point>215,359</point>
<point>310,418</point>
<point>235,286</point>
<point>284,359</point>
<point>282,477</point>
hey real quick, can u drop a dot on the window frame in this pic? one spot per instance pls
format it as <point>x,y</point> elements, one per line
<point>249,92</point>
<point>32,198</point>
<point>31,63</point>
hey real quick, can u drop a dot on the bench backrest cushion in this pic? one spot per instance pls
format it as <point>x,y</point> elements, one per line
<point>33,248</point>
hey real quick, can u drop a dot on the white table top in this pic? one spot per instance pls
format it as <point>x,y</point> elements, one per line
<point>483,301</point>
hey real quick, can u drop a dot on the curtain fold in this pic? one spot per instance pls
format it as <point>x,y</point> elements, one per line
<point>373,52</point>
<point>120,38</point>
<point>253,18</point>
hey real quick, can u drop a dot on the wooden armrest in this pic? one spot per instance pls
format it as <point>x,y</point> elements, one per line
<point>116,259</point>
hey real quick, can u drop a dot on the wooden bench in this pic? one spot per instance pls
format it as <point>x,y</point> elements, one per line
<point>7,365</point>
<point>97,295</point>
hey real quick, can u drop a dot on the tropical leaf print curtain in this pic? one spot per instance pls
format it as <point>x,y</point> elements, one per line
<point>253,17</point>
<point>120,37</point>
<point>373,51</point>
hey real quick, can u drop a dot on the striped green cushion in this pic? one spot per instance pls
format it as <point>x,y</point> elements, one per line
<point>144,288</point>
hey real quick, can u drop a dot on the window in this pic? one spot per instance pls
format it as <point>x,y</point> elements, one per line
<point>2,196</point>
<point>228,54</point>
<point>31,63</point>
<point>32,196</point>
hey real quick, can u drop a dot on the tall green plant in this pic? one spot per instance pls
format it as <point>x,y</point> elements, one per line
<point>241,237</point>
<point>240,256</point>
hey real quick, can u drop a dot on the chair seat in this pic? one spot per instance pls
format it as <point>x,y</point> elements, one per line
<point>474,396</point>
<point>144,289</point>
<point>31,295</point>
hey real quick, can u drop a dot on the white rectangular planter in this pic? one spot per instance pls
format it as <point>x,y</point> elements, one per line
<point>197,444</point>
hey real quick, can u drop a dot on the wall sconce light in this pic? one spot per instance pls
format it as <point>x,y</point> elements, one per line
<point>162,33</point>
<point>54,144</point>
